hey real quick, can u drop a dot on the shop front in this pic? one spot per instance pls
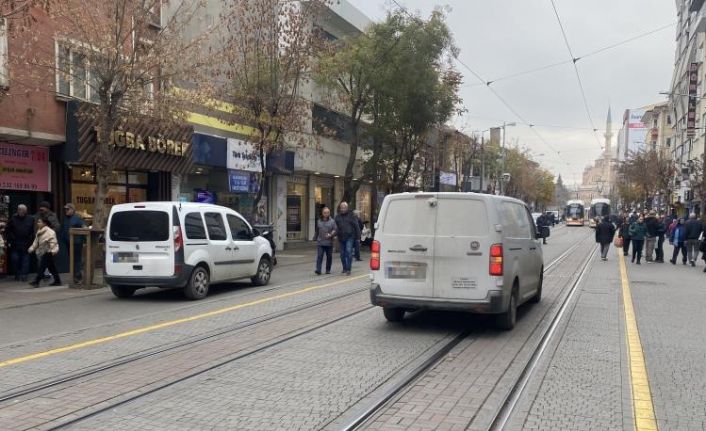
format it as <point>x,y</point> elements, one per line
<point>25,178</point>
<point>225,173</point>
<point>146,156</point>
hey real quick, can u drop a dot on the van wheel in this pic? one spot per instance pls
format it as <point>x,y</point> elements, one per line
<point>506,321</point>
<point>264,270</point>
<point>197,288</point>
<point>123,291</point>
<point>538,296</point>
<point>393,314</point>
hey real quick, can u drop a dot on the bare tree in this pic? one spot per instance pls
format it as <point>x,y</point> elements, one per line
<point>123,56</point>
<point>268,47</point>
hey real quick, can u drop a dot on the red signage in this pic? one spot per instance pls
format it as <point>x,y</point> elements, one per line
<point>23,167</point>
<point>691,109</point>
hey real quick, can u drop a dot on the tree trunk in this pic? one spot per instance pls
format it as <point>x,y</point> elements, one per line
<point>261,181</point>
<point>348,186</point>
<point>104,170</point>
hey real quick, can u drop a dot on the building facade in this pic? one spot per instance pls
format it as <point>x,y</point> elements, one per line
<point>598,180</point>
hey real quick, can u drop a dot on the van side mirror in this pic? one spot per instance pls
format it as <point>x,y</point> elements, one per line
<point>255,232</point>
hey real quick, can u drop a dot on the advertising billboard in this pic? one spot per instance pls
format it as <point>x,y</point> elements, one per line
<point>635,132</point>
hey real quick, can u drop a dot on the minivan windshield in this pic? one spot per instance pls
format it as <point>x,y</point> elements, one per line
<point>139,226</point>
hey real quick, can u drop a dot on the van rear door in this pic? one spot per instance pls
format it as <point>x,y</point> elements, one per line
<point>406,236</point>
<point>140,242</point>
<point>462,247</point>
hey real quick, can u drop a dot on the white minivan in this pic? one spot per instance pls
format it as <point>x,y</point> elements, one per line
<point>455,251</point>
<point>181,245</point>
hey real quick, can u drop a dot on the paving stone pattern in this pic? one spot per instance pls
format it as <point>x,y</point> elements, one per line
<point>299,385</point>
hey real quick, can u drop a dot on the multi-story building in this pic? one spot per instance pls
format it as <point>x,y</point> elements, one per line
<point>660,133</point>
<point>686,100</point>
<point>598,179</point>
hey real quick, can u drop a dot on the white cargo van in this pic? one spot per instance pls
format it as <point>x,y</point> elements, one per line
<point>455,251</point>
<point>182,245</point>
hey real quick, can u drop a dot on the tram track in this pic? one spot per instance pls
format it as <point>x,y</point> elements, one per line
<point>95,369</point>
<point>400,385</point>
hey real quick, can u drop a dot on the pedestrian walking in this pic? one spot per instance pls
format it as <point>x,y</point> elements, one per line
<point>325,232</point>
<point>19,234</point>
<point>543,225</point>
<point>624,234</point>
<point>605,231</point>
<point>347,231</point>
<point>692,231</point>
<point>356,243</point>
<point>50,216</point>
<point>678,240</point>
<point>651,236</point>
<point>73,220</point>
<point>45,246</point>
<point>661,231</point>
<point>638,231</point>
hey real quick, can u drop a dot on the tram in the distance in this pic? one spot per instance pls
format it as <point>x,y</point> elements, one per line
<point>600,208</point>
<point>574,213</point>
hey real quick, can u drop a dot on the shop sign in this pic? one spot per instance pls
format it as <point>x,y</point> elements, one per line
<point>243,181</point>
<point>24,168</point>
<point>447,178</point>
<point>691,109</point>
<point>242,156</point>
<point>152,144</point>
<point>205,197</point>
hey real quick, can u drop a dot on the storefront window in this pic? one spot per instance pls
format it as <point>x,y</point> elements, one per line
<point>296,211</point>
<point>323,197</point>
<point>362,202</point>
<point>83,189</point>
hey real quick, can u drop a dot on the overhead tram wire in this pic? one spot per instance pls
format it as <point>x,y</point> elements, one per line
<point>497,95</point>
<point>574,59</point>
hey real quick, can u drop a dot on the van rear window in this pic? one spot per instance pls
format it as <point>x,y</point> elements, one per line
<point>134,226</point>
<point>462,217</point>
<point>409,217</point>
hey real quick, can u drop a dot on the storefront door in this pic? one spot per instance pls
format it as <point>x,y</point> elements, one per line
<point>296,211</point>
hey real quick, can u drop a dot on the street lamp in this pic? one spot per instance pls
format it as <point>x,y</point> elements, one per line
<point>504,174</point>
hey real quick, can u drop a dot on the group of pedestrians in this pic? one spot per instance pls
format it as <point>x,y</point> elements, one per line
<point>42,235</point>
<point>646,233</point>
<point>348,228</point>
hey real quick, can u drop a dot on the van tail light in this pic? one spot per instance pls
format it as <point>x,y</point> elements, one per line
<point>375,256</point>
<point>496,260</point>
<point>178,239</point>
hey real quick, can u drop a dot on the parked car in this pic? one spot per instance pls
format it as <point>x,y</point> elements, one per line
<point>455,251</point>
<point>181,245</point>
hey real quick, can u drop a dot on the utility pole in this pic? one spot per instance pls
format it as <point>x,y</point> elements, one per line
<point>482,161</point>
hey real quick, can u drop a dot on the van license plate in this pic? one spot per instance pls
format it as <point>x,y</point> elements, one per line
<point>407,270</point>
<point>125,257</point>
<point>463,283</point>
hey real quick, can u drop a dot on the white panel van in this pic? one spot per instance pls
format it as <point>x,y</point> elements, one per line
<point>455,251</point>
<point>181,245</point>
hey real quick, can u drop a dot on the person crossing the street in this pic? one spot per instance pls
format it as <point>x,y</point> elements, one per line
<point>543,226</point>
<point>347,231</point>
<point>46,247</point>
<point>325,232</point>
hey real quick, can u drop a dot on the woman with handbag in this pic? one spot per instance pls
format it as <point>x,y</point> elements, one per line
<point>624,236</point>
<point>46,247</point>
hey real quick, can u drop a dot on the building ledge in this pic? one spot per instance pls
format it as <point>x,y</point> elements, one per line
<point>20,136</point>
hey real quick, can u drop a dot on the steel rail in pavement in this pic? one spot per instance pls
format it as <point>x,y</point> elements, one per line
<point>504,413</point>
<point>100,367</point>
<point>400,385</point>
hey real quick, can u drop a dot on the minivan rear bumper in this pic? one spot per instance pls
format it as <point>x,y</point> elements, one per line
<point>493,303</point>
<point>178,280</point>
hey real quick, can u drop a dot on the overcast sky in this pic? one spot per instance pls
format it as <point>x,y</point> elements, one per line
<point>500,38</point>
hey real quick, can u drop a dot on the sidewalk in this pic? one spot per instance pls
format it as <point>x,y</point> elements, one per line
<point>17,294</point>
<point>587,382</point>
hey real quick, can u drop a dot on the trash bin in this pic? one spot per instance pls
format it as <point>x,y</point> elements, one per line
<point>92,257</point>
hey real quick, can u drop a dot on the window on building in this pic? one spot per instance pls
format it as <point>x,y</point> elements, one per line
<point>74,77</point>
<point>4,71</point>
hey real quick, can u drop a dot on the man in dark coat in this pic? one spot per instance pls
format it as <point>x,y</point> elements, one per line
<point>19,234</point>
<point>692,231</point>
<point>347,231</point>
<point>651,223</point>
<point>605,231</point>
<point>660,231</point>
<point>543,226</point>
